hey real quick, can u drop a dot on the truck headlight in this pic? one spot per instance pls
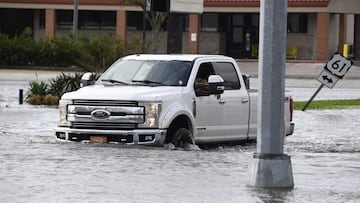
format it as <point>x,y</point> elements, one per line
<point>152,114</point>
<point>63,108</point>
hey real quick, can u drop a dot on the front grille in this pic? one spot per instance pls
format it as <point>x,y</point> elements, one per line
<point>104,102</point>
<point>123,115</point>
<point>104,126</point>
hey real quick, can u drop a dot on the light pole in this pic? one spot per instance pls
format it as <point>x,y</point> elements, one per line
<point>270,167</point>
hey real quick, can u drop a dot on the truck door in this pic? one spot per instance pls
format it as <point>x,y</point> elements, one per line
<point>209,112</point>
<point>235,102</point>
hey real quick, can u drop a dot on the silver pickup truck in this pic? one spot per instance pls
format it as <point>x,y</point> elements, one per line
<point>160,99</point>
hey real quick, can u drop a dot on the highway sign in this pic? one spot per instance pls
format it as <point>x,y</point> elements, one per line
<point>338,65</point>
<point>333,71</point>
<point>327,79</point>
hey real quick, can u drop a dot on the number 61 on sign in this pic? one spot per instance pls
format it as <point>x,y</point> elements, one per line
<point>338,65</point>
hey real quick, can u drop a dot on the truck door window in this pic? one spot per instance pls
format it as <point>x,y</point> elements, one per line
<point>228,72</point>
<point>201,81</point>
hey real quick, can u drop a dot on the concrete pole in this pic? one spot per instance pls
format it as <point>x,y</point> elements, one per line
<point>75,17</point>
<point>270,167</point>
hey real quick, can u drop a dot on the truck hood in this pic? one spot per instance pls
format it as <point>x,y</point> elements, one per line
<point>118,92</point>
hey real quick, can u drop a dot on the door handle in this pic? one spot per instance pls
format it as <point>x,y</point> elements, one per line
<point>244,101</point>
<point>222,101</point>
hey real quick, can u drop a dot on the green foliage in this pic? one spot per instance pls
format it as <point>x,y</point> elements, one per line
<point>39,88</point>
<point>50,100</point>
<point>43,54</point>
<point>5,45</point>
<point>34,99</point>
<point>18,50</point>
<point>93,53</point>
<point>64,83</point>
<point>328,104</point>
<point>99,52</point>
<point>42,93</point>
<point>37,92</point>
<point>65,50</point>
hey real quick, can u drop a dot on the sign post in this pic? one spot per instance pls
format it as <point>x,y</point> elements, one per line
<point>334,70</point>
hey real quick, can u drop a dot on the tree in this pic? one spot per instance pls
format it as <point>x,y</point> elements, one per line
<point>155,20</point>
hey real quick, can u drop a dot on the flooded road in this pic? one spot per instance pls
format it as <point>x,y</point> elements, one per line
<point>325,154</point>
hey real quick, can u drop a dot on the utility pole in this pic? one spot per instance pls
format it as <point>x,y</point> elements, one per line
<point>270,167</point>
<point>75,17</point>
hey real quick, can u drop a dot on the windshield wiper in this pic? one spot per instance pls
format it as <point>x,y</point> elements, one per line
<point>114,81</point>
<point>148,82</point>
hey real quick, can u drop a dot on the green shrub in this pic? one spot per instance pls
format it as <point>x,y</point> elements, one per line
<point>37,92</point>
<point>22,49</point>
<point>4,49</point>
<point>39,88</point>
<point>64,83</point>
<point>42,93</point>
<point>99,52</point>
<point>34,99</point>
<point>66,50</point>
<point>92,52</point>
<point>44,54</point>
<point>50,100</point>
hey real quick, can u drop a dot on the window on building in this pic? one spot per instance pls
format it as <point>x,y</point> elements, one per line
<point>255,19</point>
<point>238,20</point>
<point>87,19</point>
<point>64,19</point>
<point>97,19</point>
<point>135,22</point>
<point>297,23</point>
<point>209,22</point>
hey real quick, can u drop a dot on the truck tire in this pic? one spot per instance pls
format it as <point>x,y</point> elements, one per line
<point>181,138</point>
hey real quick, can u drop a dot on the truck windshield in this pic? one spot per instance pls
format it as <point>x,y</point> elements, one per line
<point>148,72</point>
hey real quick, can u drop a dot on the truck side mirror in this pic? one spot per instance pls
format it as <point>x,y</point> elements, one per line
<point>87,79</point>
<point>216,84</point>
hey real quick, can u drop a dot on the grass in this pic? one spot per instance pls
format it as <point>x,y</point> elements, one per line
<point>328,104</point>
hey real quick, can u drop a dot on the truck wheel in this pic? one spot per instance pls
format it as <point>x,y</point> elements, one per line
<point>181,138</point>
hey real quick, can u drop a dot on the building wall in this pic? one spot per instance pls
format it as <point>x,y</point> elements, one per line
<point>215,42</point>
<point>334,33</point>
<point>350,25</point>
<point>305,41</point>
<point>322,36</point>
<point>312,31</point>
<point>209,43</point>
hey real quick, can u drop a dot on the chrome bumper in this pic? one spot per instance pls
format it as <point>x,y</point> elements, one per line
<point>131,137</point>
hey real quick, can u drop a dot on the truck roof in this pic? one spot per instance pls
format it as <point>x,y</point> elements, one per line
<point>169,57</point>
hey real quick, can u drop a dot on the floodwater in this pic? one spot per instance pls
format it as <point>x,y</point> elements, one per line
<point>324,150</point>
